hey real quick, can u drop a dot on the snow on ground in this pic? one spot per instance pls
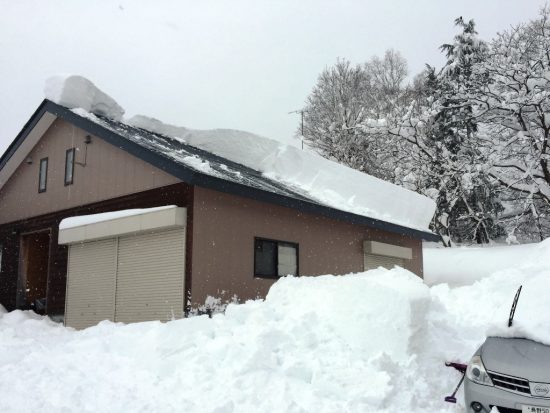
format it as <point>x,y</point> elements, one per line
<point>323,180</point>
<point>325,344</point>
<point>370,342</point>
<point>465,265</point>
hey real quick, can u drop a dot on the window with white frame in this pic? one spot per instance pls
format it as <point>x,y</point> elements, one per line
<point>69,166</point>
<point>43,175</point>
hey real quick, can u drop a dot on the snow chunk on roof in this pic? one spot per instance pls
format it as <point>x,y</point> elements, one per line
<point>81,220</point>
<point>319,179</point>
<point>323,180</point>
<point>78,92</point>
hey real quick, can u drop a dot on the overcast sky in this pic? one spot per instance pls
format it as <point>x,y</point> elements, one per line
<point>218,64</point>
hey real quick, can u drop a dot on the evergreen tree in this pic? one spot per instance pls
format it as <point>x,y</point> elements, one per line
<point>468,205</point>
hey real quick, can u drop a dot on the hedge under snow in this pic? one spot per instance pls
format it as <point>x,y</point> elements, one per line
<point>323,180</point>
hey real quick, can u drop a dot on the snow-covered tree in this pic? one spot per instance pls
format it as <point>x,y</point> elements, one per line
<point>333,110</point>
<point>474,136</point>
<point>468,201</point>
<point>438,135</point>
<point>514,108</point>
<point>344,97</point>
<point>388,91</point>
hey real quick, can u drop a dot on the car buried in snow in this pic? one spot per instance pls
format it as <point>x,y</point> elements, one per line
<point>511,374</point>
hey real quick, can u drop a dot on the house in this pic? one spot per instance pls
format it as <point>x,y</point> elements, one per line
<point>152,226</point>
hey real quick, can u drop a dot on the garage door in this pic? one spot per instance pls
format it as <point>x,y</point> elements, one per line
<point>150,276</point>
<point>126,266</point>
<point>90,283</point>
<point>373,261</point>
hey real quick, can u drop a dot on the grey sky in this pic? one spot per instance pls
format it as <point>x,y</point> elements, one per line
<point>218,64</point>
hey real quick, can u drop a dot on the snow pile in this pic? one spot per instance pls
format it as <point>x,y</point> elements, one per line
<point>78,92</point>
<point>462,317</point>
<point>322,180</point>
<point>321,344</point>
<point>532,316</point>
<point>370,342</point>
<point>465,265</point>
<point>107,216</point>
<point>484,306</point>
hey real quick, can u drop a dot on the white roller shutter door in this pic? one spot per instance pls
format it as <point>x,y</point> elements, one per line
<point>91,274</point>
<point>150,276</point>
<point>373,261</point>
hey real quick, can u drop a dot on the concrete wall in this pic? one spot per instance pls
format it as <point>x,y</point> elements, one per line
<point>109,173</point>
<point>224,227</point>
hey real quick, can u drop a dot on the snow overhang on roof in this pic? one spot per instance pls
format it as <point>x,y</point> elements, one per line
<point>282,175</point>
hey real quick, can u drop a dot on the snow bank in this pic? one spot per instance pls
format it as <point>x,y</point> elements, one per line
<point>78,92</point>
<point>322,344</point>
<point>370,342</point>
<point>532,316</point>
<point>465,265</point>
<point>107,216</point>
<point>484,305</point>
<point>326,181</point>
<point>462,317</point>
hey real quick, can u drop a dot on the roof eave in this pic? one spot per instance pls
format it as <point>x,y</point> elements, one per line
<point>12,148</point>
<point>194,177</point>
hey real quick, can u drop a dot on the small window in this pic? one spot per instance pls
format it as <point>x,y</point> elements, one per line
<point>43,175</point>
<point>69,166</point>
<point>273,259</point>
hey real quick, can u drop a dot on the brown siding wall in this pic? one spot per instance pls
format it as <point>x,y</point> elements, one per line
<point>220,233</point>
<point>10,235</point>
<point>224,227</point>
<point>110,172</point>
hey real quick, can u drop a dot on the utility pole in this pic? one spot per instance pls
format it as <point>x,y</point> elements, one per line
<point>301,112</point>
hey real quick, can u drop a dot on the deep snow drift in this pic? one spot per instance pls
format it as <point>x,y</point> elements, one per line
<point>323,344</point>
<point>325,181</point>
<point>465,265</point>
<point>371,342</point>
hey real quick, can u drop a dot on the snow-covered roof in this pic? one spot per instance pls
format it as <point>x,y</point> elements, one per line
<point>192,157</point>
<point>249,161</point>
